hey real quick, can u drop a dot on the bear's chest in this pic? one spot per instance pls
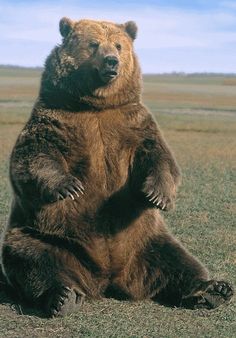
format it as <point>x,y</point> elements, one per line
<point>100,151</point>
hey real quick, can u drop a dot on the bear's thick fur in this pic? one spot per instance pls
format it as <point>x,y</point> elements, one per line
<point>89,172</point>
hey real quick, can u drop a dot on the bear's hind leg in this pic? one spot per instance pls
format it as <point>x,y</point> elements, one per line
<point>44,273</point>
<point>165,272</point>
<point>185,281</point>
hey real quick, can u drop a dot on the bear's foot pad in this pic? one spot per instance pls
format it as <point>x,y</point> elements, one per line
<point>210,295</point>
<point>64,302</point>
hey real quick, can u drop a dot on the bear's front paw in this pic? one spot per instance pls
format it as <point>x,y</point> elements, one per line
<point>160,191</point>
<point>69,186</point>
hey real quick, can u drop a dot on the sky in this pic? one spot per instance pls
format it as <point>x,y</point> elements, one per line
<point>175,35</point>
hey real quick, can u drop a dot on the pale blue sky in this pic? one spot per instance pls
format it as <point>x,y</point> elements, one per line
<point>175,35</point>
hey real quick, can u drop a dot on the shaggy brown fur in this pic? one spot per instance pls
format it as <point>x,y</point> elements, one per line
<point>89,172</point>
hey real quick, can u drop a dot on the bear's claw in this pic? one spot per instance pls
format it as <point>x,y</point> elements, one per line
<point>160,191</point>
<point>159,201</point>
<point>71,187</point>
<point>64,302</point>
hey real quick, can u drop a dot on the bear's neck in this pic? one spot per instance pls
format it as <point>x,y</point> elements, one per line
<point>63,95</point>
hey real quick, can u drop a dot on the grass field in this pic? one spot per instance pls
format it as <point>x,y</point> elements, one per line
<point>198,117</point>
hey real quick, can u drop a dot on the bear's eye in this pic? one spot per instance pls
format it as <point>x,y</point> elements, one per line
<point>94,44</point>
<point>118,46</point>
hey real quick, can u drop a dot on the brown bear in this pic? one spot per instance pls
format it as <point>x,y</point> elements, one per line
<point>89,172</point>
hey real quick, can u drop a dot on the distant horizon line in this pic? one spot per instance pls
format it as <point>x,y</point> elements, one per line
<point>144,73</point>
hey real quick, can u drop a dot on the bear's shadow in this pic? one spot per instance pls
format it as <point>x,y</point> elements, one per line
<point>10,299</point>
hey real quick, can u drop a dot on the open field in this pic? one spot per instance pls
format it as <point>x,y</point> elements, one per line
<point>198,117</point>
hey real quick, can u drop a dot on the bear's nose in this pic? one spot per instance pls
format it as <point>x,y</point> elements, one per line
<point>111,60</point>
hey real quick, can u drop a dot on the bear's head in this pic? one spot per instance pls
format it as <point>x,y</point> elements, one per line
<point>95,64</point>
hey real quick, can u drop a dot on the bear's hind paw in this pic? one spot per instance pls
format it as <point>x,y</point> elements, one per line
<point>64,302</point>
<point>212,295</point>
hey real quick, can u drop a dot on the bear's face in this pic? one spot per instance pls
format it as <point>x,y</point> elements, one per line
<point>103,49</point>
<point>95,65</point>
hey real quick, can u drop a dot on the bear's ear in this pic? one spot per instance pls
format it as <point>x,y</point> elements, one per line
<point>131,28</point>
<point>66,26</point>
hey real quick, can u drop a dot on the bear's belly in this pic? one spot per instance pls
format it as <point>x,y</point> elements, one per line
<point>98,210</point>
<point>112,243</point>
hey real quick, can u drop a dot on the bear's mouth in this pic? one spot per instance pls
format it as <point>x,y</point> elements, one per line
<point>108,75</point>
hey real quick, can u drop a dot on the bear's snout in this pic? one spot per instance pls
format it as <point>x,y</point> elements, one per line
<point>109,68</point>
<point>111,61</point>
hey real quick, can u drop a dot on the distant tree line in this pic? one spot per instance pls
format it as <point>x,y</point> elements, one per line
<point>174,73</point>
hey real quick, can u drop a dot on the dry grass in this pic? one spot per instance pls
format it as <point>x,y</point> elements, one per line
<point>195,92</point>
<point>230,82</point>
<point>194,100</point>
